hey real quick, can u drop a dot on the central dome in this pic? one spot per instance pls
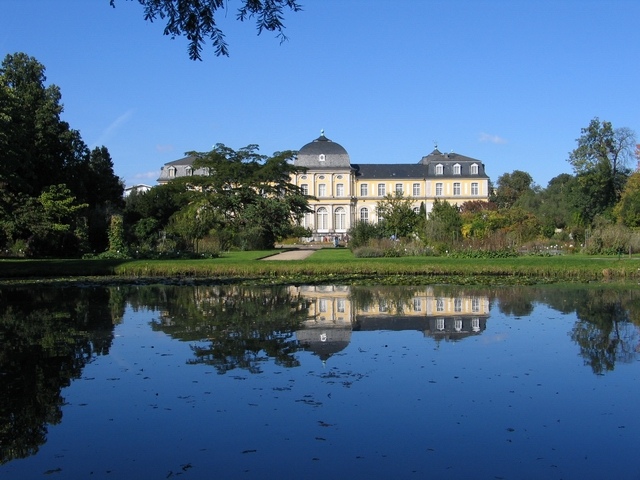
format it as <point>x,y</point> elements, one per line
<point>322,152</point>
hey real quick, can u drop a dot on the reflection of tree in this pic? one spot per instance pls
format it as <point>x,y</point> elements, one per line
<point>47,336</point>
<point>242,327</point>
<point>516,301</point>
<point>604,333</point>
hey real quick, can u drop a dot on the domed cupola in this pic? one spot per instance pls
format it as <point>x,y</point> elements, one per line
<point>323,153</point>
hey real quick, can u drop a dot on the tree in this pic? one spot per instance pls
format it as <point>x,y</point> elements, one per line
<point>397,215</point>
<point>249,194</point>
<point>39,150</point>
<point>627,210</point>
<point>444,223</point>
<point>196,19</point>
<point>511,187</point>
<point>600,163</point>
<point>555,208</point>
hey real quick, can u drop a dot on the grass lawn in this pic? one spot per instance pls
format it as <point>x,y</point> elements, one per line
<point>332,264</point>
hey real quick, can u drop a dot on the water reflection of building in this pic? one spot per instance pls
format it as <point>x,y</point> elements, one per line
<point>337,311</point>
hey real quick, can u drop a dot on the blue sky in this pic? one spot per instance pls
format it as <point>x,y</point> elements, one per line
<point>509,82</point>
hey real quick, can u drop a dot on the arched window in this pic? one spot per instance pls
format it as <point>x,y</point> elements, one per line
<point>364,215</point>
<point>474,169</point>
<point>456,169</point>
<point>172,172</point>
<point>322,217</point>
<point>439,169</point>
<point>340,219</point>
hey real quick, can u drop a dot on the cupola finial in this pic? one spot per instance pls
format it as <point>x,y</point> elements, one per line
<point>322,132</point>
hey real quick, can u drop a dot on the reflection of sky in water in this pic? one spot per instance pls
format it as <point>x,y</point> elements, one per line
<point>515,401</point>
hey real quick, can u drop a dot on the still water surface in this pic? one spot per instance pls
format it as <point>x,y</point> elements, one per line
<point>319,382</point>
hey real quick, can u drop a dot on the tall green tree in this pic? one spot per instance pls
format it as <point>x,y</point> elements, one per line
<point>40,150</point>
<point>627,210</point>
<point>600,163</point>
<point>444,223</point>
<point>398,217</point>
<point>250,193</point>
<point>196,19</point>
<point>512,187</point>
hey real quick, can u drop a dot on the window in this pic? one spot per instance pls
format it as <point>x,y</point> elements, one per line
<point>417,305</point>
<point>474,188</point>
<point>399,189</point>
<point>438,189</point>
<point>439,305</point>
<point>416,189</point>
<point>322,305</point>
<point>474,169</point>
<point>364,190</point>
<point>364,215</point>
<point>321,157</point>
<point>439,169</point>
<point>457,305</point>
<point>475,324</point>
<point>340,219</point>
<point>340,190</point>
<point>341,305</point>
<point>475,305</point>
<point>304,188</point>
<point>456,169</point>
<point>456,188</point>
<point>457,324</point>
<point>188,171</point>
<point>307,220</point>
<point>322,222</point>
<point>416,210</point>
<point>172,172</point>
<point>440,323</point>
<point>382,191</point>
<point>322,190</point>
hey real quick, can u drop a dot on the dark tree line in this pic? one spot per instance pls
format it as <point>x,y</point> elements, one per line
<point>56,194</point>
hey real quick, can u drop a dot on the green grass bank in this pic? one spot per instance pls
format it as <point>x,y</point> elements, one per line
<point>330,266</point>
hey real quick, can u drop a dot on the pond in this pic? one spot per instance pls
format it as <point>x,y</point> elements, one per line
<point>200,381</point>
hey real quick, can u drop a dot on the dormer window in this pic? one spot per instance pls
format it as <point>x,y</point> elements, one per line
<point>172,172</point>
<point>456,169</point>
<point>439,169</point>
<point>321,157</point>
<point>188,171</point>
<point>474,169</point>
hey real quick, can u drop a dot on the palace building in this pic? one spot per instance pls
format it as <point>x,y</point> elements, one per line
<point>344,193</point>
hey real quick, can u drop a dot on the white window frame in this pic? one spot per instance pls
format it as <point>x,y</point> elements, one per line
<point>382,189</point>
<point>322,219</point>
<point>340,219</point>
<point>364,215</point>
<point>439,189</point>
<point>322,190</point>
<point>474,169</point>
<point>439,169</point>
<point>456,169</point>
<point>416,189</point>
<point>475,190</point>
<point>399,188</point>
<point>457,189</point>
<point>339,189</point>
<point>364,190</point>
<point>304,188</point>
